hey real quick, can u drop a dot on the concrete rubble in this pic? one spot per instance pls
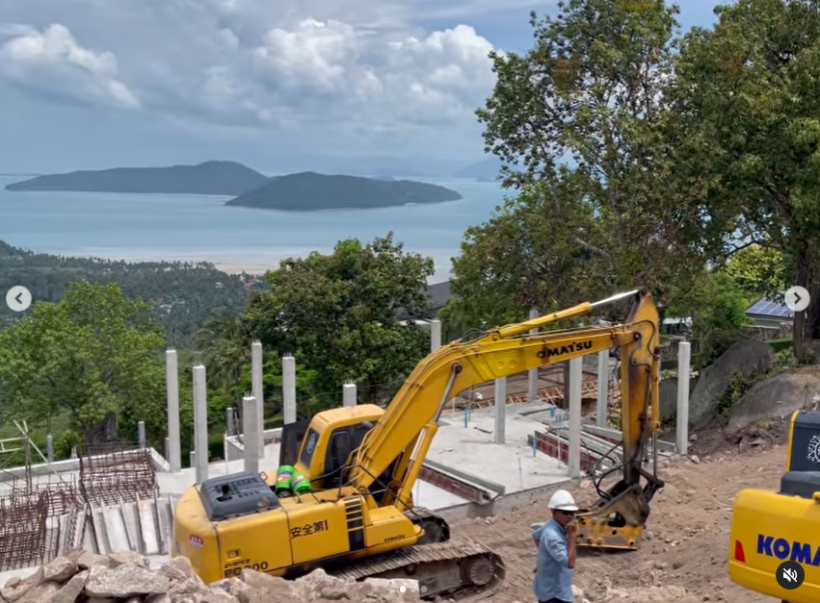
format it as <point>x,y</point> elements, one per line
<point>127,577</point>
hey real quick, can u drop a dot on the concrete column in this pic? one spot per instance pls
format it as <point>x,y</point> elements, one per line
<point>50,448</point>
<point>684,360</point>
<point>251,434</point>
<point>192,454</point>
<point>500,410</point>
<point>256,381</point>
<point>172,388</point>
<point>603,389</point>
<point>532,374</point>
<point>289,388</point>
<point>229,420</point>
<point>141,434</point>
<point>574,407</point>
<point>200,424</point>
<point>349,394</point>
<point>435,335</point>
<point>167,450</point>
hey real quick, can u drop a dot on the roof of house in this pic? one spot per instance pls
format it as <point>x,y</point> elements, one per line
<point>766,308</point>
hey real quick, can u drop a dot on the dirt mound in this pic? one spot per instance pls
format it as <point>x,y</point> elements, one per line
<point>683,556</point>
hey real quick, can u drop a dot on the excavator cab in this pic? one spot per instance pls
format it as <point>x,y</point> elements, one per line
<point>769,528</point>
<point>320,447</point>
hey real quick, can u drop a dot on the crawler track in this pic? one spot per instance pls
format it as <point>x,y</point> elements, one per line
<point>455,568</point>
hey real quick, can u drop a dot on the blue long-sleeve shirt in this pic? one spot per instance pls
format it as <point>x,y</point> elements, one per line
<point>553,579</point>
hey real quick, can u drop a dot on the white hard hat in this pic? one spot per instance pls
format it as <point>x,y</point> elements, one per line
<point>562,501</point>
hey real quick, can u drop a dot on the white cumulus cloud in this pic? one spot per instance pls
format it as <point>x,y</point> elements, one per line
<point>53,62</point>
<point>310,71</point>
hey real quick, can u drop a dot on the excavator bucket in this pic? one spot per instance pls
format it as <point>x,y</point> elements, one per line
<point>292,436</point>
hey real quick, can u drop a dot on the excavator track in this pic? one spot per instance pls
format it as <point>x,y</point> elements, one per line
<point>456,568</point>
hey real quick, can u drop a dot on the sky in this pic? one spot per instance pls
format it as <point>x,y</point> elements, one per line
<point>92,84</point>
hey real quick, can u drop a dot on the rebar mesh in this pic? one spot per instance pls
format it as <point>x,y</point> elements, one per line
<point>116,472</point>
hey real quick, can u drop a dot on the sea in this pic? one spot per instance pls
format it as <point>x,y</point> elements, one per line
<point>140,227</point>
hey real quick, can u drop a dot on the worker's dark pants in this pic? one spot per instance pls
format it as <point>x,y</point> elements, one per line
<point>554,601</point>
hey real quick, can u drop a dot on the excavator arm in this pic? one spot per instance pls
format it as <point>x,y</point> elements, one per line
<point>408,426</point>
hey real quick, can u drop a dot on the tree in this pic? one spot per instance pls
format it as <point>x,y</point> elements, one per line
<point>337,314</point>
<point>93,355</point>
<point>579,123</point>
<point>759,270</point>
<point>748,107</point>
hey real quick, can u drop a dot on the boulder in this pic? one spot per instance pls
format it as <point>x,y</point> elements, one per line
<point>124,581</point>
<point>777,398</point>
<point>750,357</point>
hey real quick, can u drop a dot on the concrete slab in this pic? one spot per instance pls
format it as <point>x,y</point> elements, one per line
<point>512,464</point>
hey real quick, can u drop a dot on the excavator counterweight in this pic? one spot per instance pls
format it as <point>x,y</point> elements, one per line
<point>358,519</point>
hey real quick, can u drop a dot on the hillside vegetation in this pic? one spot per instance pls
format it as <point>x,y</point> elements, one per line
<point>209,178</point>
<point>183,296</point>
<point>311,191</point>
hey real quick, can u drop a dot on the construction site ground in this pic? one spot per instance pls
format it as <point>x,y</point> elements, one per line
<point>683,558</point>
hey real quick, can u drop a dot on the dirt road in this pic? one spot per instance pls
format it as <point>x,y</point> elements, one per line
<point>683,558</point>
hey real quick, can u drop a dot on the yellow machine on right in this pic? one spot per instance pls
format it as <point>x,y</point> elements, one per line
<point>774,544</point>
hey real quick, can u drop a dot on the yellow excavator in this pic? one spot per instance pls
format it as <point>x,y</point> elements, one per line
<point>774,540</point>
<point>358,520</point>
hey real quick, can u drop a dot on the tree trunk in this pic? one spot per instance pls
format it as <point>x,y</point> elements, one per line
<point>103,432</point>
<point>803,321</point>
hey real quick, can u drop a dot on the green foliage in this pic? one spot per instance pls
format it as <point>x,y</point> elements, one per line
<point>737,388</point>
<point>589,90</point>
<point>747,109</point>
<point>758,270</point>
<point>714,302</point>
<point>95,355</point>
<point>182,295</point>
<point>337,315</point>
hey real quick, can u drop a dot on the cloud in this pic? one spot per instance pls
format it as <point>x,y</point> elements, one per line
<point>307,72</point>
<point>51,61</point>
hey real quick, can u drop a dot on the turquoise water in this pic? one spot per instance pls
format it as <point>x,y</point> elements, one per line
<point>201,228</point>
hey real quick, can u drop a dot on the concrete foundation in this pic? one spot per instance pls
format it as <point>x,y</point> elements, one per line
<point>349,394</point>
<point>435,335</point>
<point>251,435</point>
<point>682,421</point>
<point>289,388</point>
<point>256,383</point>
<point>172,390</point>
<point>200,424</point>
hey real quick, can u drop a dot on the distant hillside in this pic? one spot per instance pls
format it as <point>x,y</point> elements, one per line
<point>310,191</point>
<point>209,178</point>
<point>184,295</point>
<point>485,171</point>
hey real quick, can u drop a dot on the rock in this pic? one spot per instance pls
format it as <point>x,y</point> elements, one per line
<point>276,587</point>
<point>71,591</point>
<point>124,581</point>
<point>163,598</point>
<point>12,582</point>
<point>750,357</point>
<point>775,398</point>
<point>179,568</point>
<point>42,593</point>
<point>577,593</point>
<point>86,560</point>
<point>123,557</point>
<point>11,595</point>
<point>60,570</point>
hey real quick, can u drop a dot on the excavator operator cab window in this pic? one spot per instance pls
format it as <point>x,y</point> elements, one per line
<point>337,454</point>
<point>310,446</point>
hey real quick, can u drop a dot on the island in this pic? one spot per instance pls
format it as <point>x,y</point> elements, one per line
<point>209,178</point>
<point>309,191</point>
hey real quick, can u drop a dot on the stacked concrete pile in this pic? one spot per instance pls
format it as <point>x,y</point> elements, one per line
<point>82,577</point>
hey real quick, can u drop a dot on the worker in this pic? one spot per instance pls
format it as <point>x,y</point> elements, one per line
<point>556,551</point>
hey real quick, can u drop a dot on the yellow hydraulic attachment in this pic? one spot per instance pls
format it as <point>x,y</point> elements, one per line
<point>359,519</point>
<point>770,529</point>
